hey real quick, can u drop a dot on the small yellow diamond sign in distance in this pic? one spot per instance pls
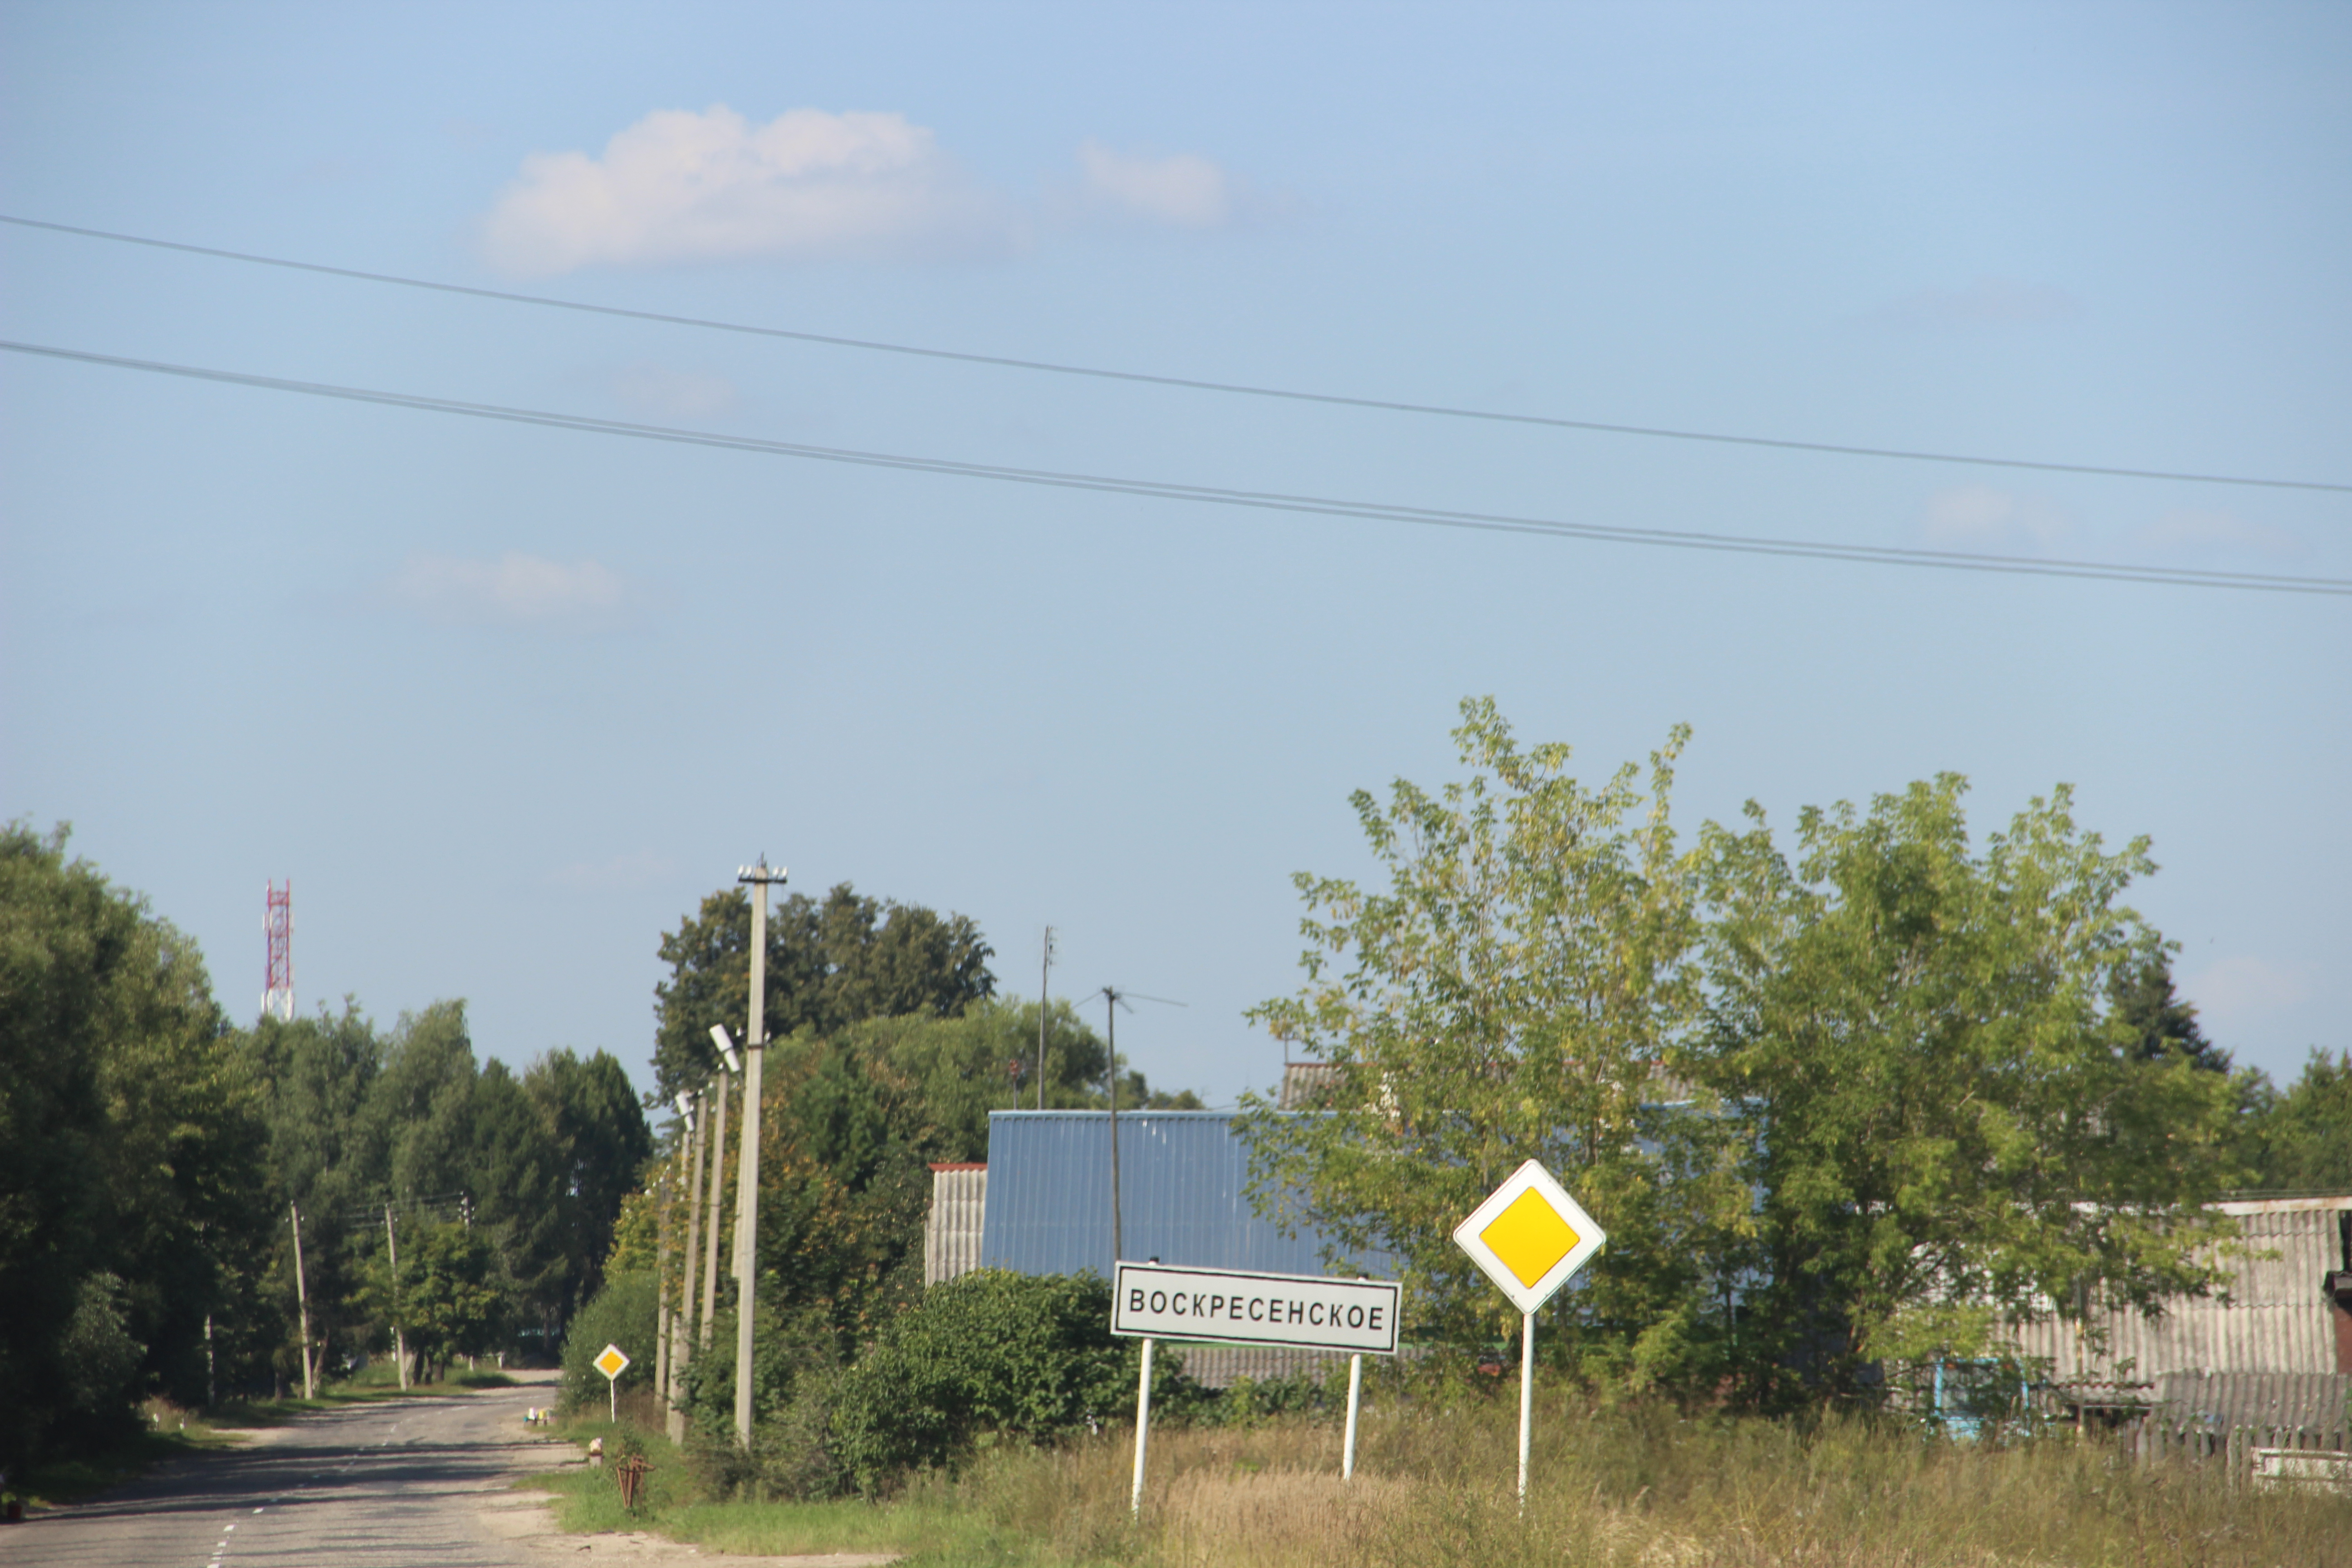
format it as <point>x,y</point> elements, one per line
<point>612,1363</point>
<point>1529,1236</point>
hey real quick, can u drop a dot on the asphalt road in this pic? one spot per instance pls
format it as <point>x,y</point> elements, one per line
<point>414,1483</point>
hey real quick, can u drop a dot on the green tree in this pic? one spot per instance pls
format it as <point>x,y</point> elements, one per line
<point>2164,1024</point>
<point>988,1353</point>
<point>829,964</point>
<point>328,1158</point>
<point>132,1209</point>
<point>453,1302</point>
<point>599,1141</point>
<point>420,1108</point>
<point>963,1066</point>
<point>1952,1120</point>
<point>2303,1137</point>
<point>1518,989</point>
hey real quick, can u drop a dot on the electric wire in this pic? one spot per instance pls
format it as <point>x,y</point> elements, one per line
<point>1269,500</point>
<point>1188,384</point>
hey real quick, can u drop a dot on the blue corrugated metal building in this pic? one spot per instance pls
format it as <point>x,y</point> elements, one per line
<point>1183,1196</point>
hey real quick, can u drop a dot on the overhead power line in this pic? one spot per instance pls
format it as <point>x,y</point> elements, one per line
<point>1268,500</point>
<point>1190,383</point>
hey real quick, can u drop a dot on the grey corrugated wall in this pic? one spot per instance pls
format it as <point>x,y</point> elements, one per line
<point>2275,1321</point>
<point>951,1230</point>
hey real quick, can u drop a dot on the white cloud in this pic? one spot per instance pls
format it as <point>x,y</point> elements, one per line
<point>1987,302</point>
<point>516,590</point>
<point>679,186</point>
<point>2210,532</point>
<point>656,392</point>
<point>1979,517</point>
<point>2236,990</point>
<point>1184,189</point>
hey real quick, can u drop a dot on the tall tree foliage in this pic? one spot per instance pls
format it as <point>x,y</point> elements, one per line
<point>1520,988</point>
<point>1876,1102</point>
<point>2163,1023</point>
<point>1953,1122</point>
<point>830,964</point>
<point>2302,1137</point>
<point>411,1120</point>
<point>128,1214</point>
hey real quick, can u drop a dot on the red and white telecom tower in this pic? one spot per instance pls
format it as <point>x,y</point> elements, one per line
<point>277,927</point>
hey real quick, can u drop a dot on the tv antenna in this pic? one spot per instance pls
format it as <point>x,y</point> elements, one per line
<point>1113,1000</point>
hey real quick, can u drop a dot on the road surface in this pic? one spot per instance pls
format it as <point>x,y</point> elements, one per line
<point>409,1483</point>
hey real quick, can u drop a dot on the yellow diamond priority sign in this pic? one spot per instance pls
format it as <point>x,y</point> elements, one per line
<point>612,1363</point>
<point>1529,1236</point>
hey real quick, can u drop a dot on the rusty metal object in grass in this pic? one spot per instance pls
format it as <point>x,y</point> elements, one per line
<point>630,1474</point>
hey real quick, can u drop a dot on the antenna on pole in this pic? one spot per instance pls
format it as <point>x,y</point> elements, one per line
<point>1044,975</point>
<point>1113,1000</point>
<point>278,933</point>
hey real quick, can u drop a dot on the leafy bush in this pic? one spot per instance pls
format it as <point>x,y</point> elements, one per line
<point>622,1314</point>
<point>795,1362</point>
<point>986,1355</point>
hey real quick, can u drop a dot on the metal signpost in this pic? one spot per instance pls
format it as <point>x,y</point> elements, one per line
<point>1155,1301</point>
<point>1530,1237</point>
<point>613,1364</point>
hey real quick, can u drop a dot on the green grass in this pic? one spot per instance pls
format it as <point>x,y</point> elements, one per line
<point>1613,1487</point>
<point>165,1432</point>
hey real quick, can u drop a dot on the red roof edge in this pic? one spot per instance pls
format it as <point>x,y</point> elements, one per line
<point>960,1166</point>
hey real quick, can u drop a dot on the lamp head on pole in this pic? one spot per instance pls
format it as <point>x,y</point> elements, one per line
<point>727,1052</point>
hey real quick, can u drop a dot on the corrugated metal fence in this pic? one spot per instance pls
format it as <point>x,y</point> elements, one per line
<point>2275,1318</point>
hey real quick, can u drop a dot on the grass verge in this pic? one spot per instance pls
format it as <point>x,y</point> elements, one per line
<point>1613,1487</point>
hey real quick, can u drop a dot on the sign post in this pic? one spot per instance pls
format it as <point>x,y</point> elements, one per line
<point>1529,1238</point>
<point>613,1364</point>
<point>1222,1305</point>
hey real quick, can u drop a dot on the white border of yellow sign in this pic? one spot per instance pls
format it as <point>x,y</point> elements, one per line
<point>1590,1236</point>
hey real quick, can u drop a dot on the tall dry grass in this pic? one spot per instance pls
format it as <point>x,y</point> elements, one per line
<point>1629,1488</point>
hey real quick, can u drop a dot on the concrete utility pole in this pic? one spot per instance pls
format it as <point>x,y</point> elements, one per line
<point>664,1319</point>
<point>681,1325</point>
<point>399,1339</point>
<point>303,1301</point>
<point>716,1147</point>
<point>747,1173</point>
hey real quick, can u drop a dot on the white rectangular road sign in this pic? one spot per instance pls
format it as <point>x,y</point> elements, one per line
<point>1229,1307</point>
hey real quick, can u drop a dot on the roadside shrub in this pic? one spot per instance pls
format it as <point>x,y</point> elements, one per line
<point>986,1356</point>
<point>795,1362</point>
<point>622,1314</point>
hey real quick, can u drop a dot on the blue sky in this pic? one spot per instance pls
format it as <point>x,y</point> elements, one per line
<point>504,702</point>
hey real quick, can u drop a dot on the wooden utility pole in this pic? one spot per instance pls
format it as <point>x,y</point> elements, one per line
<point>1118,1248</point>
<point>303,1301</point>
